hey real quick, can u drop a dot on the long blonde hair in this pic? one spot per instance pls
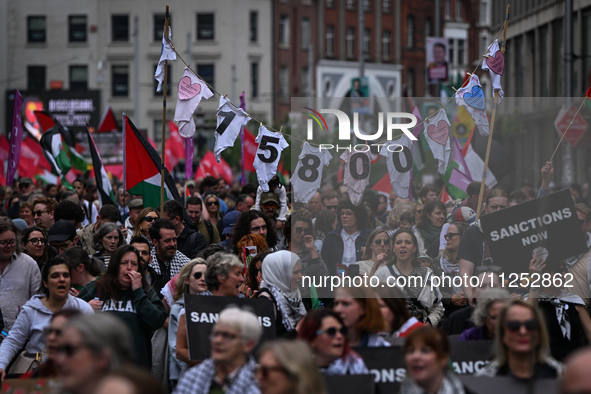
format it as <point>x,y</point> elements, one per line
<point>180,286</point>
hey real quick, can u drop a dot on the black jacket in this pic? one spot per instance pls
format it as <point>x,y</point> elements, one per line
<point>190,242</point>
<point>333,248</point>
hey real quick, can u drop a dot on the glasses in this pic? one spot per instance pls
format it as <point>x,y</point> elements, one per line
<point>197,275</point>
<point>61,247</point>
<point>347,213</point>
<point>24,185</point>
<point>258,228</point>
<point>515,325</point>
<point>9,242</point>
<point>331,207</point>
<point>213,203</point>
<point>332,331</point>
<point>149,219</point>
<point>449,236</point>
<point>39,213</point>
<point>37,241</point>
<point>379,241</point>
<point>270,206</point>
<point>300,230</point>
<point>263,371</point>
<point>49,330</point>
<point>227,336</point>
<point>69,350</point>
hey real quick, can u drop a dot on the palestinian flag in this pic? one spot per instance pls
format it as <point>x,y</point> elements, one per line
<point>499,163</point>
<point>103,185</point>
<point>59,142</point>
<point>141,168</point>
<point>457,177</point>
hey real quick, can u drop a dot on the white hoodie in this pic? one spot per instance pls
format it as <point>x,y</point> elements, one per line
<point>29,326</point>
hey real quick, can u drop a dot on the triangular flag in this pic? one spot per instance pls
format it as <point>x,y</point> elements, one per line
<point>108,122</point>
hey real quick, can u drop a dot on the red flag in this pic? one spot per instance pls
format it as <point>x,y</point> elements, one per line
<point>209,166</point>
<point>32,161</point>
<point>383,185</point>
<point>250,149</point>
<point>108,122</point>
<point>444,196</point>
<point>174,149</point>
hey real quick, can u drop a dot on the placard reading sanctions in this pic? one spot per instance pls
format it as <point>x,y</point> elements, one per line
<point>515,234</point>
<point>202,312</point>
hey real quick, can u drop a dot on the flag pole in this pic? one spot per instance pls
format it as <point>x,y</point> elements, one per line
<point>492,122</point>
<point>166,21</point>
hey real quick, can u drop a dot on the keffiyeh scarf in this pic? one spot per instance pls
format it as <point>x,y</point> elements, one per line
<point>292,309</point>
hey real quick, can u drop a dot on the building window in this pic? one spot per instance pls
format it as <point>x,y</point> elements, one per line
<point>448,9</point>
<point>483,44</point>
<point>283,83</point>
<point>410,31</point>
<point>458,9</point>
<point>387,5</point>
<point>366,5</point>
<point>330,40</point>
<point>428,27</point>
<point>350,42</point>
<point>120,81</point>
<point>158,27</point>
<point>36,29</point>
<point>207,73</point>
<point>305,33</point>
<point>461,52</point>
<point>120,27</point>
<point>351,5</point>
<point>79,78</point>
<point>284,31</point>
<point>254,28</point>
<point>77,28</point>
<point>386,41</point>
<point>169,81</point>
<point>484,12</point>
<point>366,42</point>
<point>205,26</point>
<point>254,79</point>
<point>329,3</point>
<point>35,79</point>
<point>305,75</point>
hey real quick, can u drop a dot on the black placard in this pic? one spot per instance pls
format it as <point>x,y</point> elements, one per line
<point>202,313</point>
<point>349,384</point>
<point>387,363</point>
<point>549,222</point>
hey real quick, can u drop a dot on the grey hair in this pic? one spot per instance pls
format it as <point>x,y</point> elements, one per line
<point>220,264</point>
<point>243,320</point>
<point>103,230</point>
<point>485,302</point>
<point>103,331</point>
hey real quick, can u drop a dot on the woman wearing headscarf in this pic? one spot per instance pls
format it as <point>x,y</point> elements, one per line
<point>282,274</point>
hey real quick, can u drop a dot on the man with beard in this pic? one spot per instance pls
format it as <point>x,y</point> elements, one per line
<point>143,246</point>
<point>167,261</point>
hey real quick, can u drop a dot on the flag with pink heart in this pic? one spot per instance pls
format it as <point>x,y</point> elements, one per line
<point>494,62</point>
<point>191,90</point>
<point>472,98</point>
<point>436,133</point>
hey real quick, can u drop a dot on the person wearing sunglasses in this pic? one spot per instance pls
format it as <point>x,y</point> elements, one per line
<point>287,367</point>
<point>447,265</point>
<point>559,306</point>
<point>144,221</point>
<point>378,252</point>
<point>34,240</point>
<point>36,315</point>
<point>231,368</point>
<point>43,209</point>
<point>521,347</point>
<point>89,348</point>
<point>212,206</point>
<point>326,333</point>
<point>191,280</point>
<point>426,355</point>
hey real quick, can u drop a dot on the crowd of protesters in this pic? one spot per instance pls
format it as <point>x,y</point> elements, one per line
<point>95,295</point>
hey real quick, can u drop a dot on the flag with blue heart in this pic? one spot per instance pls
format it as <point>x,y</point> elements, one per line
<point>472,98</point>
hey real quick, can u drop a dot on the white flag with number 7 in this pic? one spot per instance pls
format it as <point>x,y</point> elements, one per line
<point>230,120</point>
